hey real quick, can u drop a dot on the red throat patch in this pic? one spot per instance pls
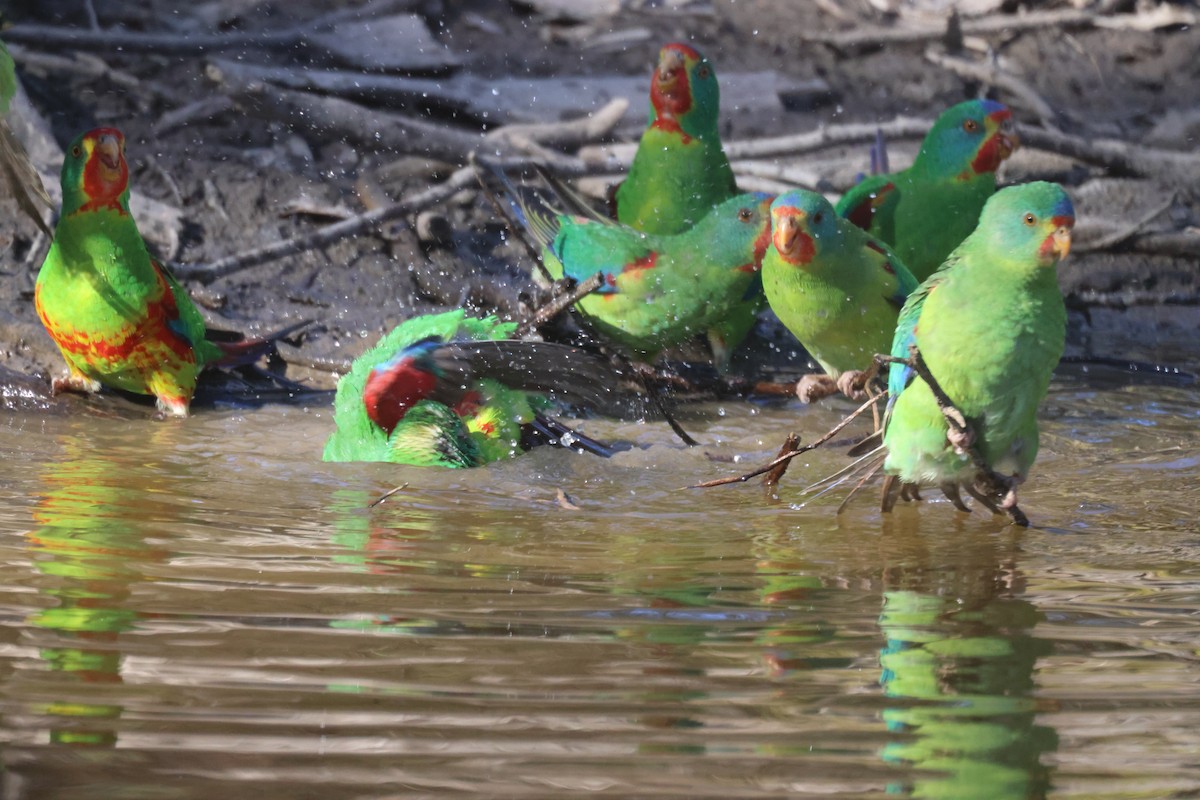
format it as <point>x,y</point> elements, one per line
<point>996,148</point>
<point>389,395</point>
<point>106,173</point>
<point>671,93</point>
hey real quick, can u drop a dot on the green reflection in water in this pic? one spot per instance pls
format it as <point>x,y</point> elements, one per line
<point>89,542</point>
<point>377,550</point>
<point>789,582</point>
<point>957,669</point>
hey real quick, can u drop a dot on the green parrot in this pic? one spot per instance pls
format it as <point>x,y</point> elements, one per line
<point>923,212</point>
<point>679,172</point>
<point>19,174</point>
<point>119,318</point>
<point>8,79</point>
<point>990,325</point>
<point>657,290</point>
<point>450,390</point>
<point>835,287</point>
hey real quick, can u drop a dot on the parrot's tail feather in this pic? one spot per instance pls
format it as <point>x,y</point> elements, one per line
<point>573,201</point>
<point>867,445</point>
<point>527,214</point>
<point>248,351</point>
<point>547,430</point>
<point>869,464</point>
<point>870,473</point>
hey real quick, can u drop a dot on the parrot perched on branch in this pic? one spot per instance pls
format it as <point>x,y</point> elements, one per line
<point>990,325</point>
<point>925,211</point>
<point>835,287</point>
<point>658,290</point>
<point>454,391</point>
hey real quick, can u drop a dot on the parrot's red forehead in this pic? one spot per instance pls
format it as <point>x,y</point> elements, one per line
<point>788,211</point>
<point>95,134</point>
<point>683,49</point>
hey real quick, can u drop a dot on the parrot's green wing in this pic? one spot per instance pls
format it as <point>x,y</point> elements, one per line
<point>680,171</point>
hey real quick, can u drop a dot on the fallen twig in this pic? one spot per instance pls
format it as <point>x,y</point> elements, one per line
<point>354,226</point>
<point>566,134</point>
<point>1116,237</point>
<point>790,175</point>
<point>559,303</point>
<point>333,119</point>
<point>788,456</point>
<point>773,476</point>
<point>207,273</point>
<point>992,75</point>
<point>1066,19</point>
<point>387,494</point>
<point>621,155</point>
<point>1128,298</point>
<point>1120,158</point>
<point>187,43</point>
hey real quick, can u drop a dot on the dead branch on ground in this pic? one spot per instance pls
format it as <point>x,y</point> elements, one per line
<point>180,44</point>
<point>783,458</point>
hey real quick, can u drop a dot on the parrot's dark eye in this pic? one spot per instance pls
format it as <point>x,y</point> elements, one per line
<point>818,218</point>
<point>1030,219</point>
<point>970,126</point>
<point>745,214</point>
<point>702,73</point>
<point>76,151</point>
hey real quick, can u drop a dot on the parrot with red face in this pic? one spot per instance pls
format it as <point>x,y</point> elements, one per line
<point>925,211</point>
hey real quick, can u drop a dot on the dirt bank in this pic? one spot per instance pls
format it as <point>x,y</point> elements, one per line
<point>241,178</point>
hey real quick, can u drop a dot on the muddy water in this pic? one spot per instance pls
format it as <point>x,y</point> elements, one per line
<point>205,610</point>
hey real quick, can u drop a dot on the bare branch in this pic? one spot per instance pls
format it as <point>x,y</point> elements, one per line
<point>785,457</point>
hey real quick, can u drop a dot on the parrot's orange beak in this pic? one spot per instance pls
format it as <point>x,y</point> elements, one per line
<point>1000,143</point>
<point>1007,139</point>
<point>108,150</point>
<point>793,244</point>
<point>1057,245</point>
<point>670,64</point>
<point>1062,241</point>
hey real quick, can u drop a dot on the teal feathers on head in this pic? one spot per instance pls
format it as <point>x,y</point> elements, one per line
<point>683,91</point>
<point>1030,222</point>
<point>968,139</point>
<point>800,220</point>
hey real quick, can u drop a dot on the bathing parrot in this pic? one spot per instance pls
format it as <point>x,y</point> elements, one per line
<point>658,289</point>
<point>990,325</point>
<point>835,287</point>
<point>118,317</point>
<point>454,391</point>
<point>923,212</point>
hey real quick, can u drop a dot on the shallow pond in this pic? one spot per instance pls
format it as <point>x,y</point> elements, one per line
<point>204,609</point>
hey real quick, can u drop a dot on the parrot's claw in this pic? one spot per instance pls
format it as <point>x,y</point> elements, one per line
<point>960,440</point>
<point>853,384</point>
<point>812,388</point>
<point>74,383</point>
